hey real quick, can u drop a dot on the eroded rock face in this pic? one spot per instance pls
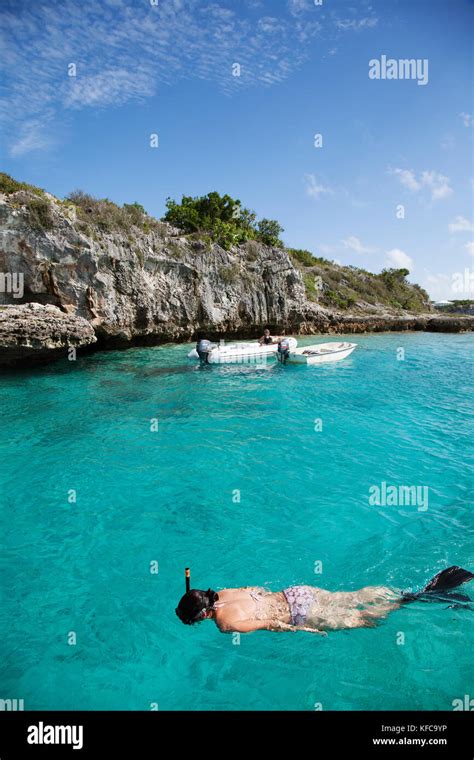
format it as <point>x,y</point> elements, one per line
<point>32,334</point>
<point>153,287</point>
<point>135,287</point>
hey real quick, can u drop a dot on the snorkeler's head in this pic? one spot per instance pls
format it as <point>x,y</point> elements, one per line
<point>196,605</point>
<point>266,331</point>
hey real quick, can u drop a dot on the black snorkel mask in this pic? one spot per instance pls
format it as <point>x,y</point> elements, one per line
<point>195,604</point>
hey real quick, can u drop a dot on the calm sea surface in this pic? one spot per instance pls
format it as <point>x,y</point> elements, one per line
<point>241,484</point>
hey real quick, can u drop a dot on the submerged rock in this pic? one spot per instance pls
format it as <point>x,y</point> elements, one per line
<point>33,334</point>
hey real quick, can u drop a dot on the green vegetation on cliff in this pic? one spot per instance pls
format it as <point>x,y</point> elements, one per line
<point>223,218</point>
<point>9,185</point>
<point>213,218</point>
<point>345,287</point>
<point>107,216</point>
<point>35,201</point>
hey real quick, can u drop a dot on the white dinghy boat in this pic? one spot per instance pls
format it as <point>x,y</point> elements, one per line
<point>319,353</point>
<point>242,353</point>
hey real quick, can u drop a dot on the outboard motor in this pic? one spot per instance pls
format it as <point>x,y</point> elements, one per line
<point>283,350</point>
<point>204,348</point>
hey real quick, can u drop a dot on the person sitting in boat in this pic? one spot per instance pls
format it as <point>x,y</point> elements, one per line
<point>204,348</point>
<point>307,608</point>
<point>267,339</point>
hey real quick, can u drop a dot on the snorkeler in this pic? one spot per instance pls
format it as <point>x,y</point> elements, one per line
<point>307,608</point>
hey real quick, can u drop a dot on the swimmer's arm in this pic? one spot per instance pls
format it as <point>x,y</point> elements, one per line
<point>248,626</point>
<point>244,626</point>
<point>277,626</point>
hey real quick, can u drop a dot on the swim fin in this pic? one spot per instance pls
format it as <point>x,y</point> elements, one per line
<point>443,581</point>
<point>450,578</point>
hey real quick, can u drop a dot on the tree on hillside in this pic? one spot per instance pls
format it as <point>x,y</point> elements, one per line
<point>222,217</point>
<point>395,274</point>
<point>269,232</point>
<point>393,277</point>
<point>202,213</point>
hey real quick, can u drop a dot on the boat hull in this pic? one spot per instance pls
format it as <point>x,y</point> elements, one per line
<point>242,353</point>
<point>321,353</point>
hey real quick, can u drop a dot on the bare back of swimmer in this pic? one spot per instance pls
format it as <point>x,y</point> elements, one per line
<point>307,608</point>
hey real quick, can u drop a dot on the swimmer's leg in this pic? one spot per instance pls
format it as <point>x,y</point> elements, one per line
<point>376,595</point>
<point>377,603</point>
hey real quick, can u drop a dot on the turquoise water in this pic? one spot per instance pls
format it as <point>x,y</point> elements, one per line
<point>170,497</point>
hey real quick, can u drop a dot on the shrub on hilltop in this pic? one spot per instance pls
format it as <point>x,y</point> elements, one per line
<point>107,216</point>
<point>223,218</point>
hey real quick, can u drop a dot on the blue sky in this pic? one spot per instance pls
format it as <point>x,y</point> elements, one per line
<point>165,67</point>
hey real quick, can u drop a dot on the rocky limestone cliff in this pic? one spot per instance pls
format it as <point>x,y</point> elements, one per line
<point>148,287</point>
<point>32,333</point>
<point>153,287</point>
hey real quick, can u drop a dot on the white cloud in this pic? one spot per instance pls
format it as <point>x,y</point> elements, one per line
<point>306,30</point>
<point>269,24</point>
<point>111,87</point>
<point>299,8</point>
<point>296,7</point>
<point>124,52</point>
<point>325,250</point>
<point>436,184</point>
<point>399,259</point>
<point>407,179</point>
<point>467,119</point>
<point>461,224</point>
<point>313,189</point>
<point>354,244</point>
<point>470,248</point>
<point>438,285</point>
<point>356,24</point>
<point>32,135</point>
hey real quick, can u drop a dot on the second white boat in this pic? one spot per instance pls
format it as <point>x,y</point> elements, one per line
<point>320,353</point>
